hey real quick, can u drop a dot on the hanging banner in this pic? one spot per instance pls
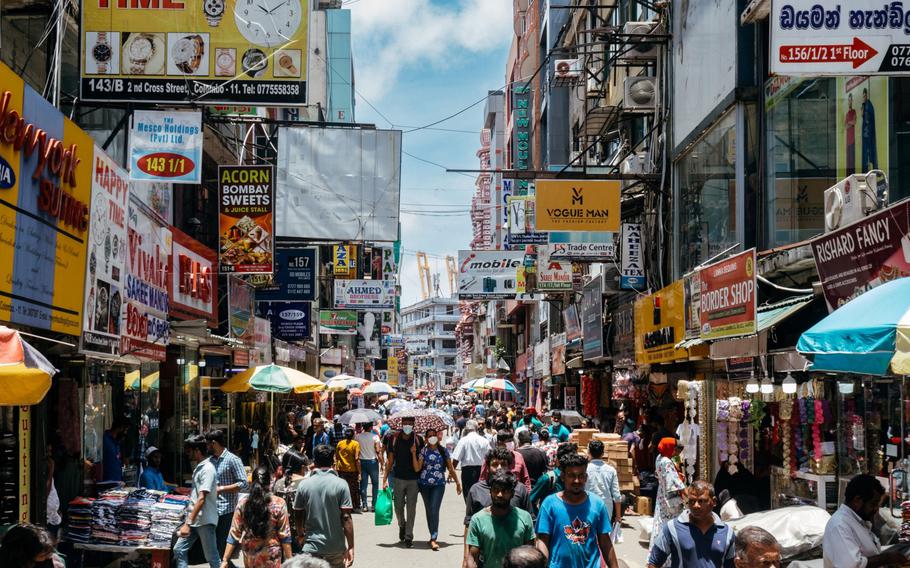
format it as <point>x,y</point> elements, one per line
<point>192,285</point>
<point>107,242</point>
<point>195,51</point>
<point>861,256</point>
<point>488,274</point>
<point>552,275</point>
<point>144,325</point>
<point>294,278</point>
<point>290,320</point>
<point>659,325</point>
<point>392,366</point>
<point>240,309</point>
<point>246,198</point>
<point>44,207</point>
<point>521,223</point>
<point>572,324</point>
<point>369,334</point>
<point>542,358</point>
<point>166,146</point>
<point>623,340</point>
<point>338,322</point>
<point>692,294</point>
<point>592,322</point>
<point>364,294</point>
<point>343,262</point>
<point>632,267</point>
<point>577,205</point>
<point>728,297</point>
<point>262,341</point>
<point>558,351</point>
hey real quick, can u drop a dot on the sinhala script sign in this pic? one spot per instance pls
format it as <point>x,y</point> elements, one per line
<point>832,37</point>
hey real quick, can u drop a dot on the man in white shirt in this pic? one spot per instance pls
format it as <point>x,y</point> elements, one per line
<point>603,481</point>
<point>849,541</point>
<point>370,450</point>
<point>470,453</point>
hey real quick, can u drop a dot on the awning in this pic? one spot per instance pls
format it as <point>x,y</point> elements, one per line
<point>575,363</point>
<point>688,343</point>
<point>772,315</point>
<point>756,344</point>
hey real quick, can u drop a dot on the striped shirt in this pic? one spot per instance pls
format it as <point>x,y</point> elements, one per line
<point>230,471</point>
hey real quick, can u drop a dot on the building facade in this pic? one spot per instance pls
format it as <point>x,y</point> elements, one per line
<point>429,331</point>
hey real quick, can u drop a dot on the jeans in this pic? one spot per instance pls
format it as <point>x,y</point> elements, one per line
<point>222,530</point>
<point>432,502</point>
<point>405,491</point>
<point>369,472</point>
<point>205,533</point>
<point>470,474</point>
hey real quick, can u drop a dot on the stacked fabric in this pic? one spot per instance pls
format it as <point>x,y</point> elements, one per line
<point>905,522</point>
<point>167,516</point>
<point>105,529</point>
<point>79,528</point>
<point>134,516</point>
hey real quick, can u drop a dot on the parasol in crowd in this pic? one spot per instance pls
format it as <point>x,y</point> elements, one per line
<point>397,405</point>
<point>446,417</point>
<point>379,388</point>
<point>345,382</point>
<point>360,416</point>
<point>25,374</point>
<point>424,420</point>
<point>470,384</point>
<point>273,378</point>
<point>569,417</point>
<point>497,385</point>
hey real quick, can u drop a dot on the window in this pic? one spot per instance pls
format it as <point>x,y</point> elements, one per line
<point>450,310</point>
<point>448,361</point>
<point>448,327</point>
<point>448,344</point>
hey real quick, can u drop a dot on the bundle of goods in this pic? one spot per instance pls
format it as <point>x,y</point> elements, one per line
<point>104,516</point>
<point>167,516</point>
<point>79,528</point>
<point>617,453</point>
<point>905,522</point>
<point>134,517</point>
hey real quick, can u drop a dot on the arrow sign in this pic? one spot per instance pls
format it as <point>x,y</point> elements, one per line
<point>856,53</point>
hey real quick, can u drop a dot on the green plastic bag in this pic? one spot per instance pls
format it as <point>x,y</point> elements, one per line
<point>384,505</point>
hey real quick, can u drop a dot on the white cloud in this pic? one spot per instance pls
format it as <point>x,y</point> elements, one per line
<point>392,35</point>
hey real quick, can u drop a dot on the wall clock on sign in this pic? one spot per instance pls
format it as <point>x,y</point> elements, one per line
<point>268,23</point>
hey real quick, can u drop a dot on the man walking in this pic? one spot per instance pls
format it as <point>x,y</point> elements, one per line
<point>203,511</point>
<point>535,458</point>
<point>322,512</point>
<point>469,454</point>
<point>231,481</point>
<point>756,548</point>
<point>370,451</point>
<point>697,537</point>
<point>520,469</point>
<point>603,481</point>
<point>499,528</point>
<point>573,528</point>
<point>404,483</point>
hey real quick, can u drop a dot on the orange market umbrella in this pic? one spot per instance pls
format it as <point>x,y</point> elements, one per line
<point>25,374</point>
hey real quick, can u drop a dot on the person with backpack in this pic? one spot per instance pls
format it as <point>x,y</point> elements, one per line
<point>401,464</point>
<point>432,461</point>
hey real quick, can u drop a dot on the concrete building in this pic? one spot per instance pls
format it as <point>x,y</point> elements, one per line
<point>429,330</point>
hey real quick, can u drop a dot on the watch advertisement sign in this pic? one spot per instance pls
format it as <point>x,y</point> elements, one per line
<point>146,303</point>
<point>364,294</point>
<point>830,37</point>
<point>294,278</point>
<point>290,320</point>
<point>338,322</point>
<point>193,287</point>
<point>107,242</point>
<point>728,297</point>
<point>660,324</point>
<point>195,51</point>
<point>577,205</point>
<point>632,264</point>
<point>246,198</point>
<point>166,146</point>
<point>592,323</point>
<point>861,256</point>
<point>240,309</point>
<point>488,274</point>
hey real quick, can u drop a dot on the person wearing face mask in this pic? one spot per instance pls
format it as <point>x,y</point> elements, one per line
<point>557,429</point>
<point>505,440</point>
<point>347,465</point>
<point>401,464</point>
<point>432,461</point>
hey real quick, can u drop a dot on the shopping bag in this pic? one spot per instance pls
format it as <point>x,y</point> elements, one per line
<point>616,533</point>
<point>383,512</point>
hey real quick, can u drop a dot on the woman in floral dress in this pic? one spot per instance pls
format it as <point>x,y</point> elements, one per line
<point>669,487</point>
<point>260,526</point>
<point>432,461</point>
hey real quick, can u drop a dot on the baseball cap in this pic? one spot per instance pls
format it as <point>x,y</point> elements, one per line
<point>151,450</point>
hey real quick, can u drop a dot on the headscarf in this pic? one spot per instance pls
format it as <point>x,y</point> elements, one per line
<point>667,447</point>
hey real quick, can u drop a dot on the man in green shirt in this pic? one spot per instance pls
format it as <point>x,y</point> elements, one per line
<point>500,527</point>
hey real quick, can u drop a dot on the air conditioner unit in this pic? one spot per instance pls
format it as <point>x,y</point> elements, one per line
<point>639,94</point>
<point>853,198</point>
<point>636,163</point>
<point>636,47</point>
<point>567,72</point>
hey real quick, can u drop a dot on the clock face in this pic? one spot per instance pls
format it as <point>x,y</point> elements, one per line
<point>268,23</point>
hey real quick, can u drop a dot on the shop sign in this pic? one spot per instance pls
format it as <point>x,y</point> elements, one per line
<point>542,358</point>
<point>369,333</point>
<point>553,275</point>
<point>343,262</point>
<point>166,146</point>
<point>592,323</point>
<point>337,322</point>
<point>241,357</point>
<point>389,263</point>
<point>381,376</point>
<point>417,343</point>
<point>107,242</point>
<point>392,366</point>
<point>829,37</point>
<point>623,319</point>
<point>241,296</point>
<point>193,287</point>
<point>282,352</point>
<point>659,325</point>
<point>857,258</point>
<point>46,166</point>
<point>331,356</point>
<point>586,251</point>
<point>507,192</point>
<point>393,341</point>
<point>290,320</point>
<point>728,297</point>
<point>25,462</point>
<point>262,340</point>
<point>294,278</point>
<point>488,274</point>
<point>521,126</point>
<point>570,397</point>
<point>246,199</point>
<point>364,294</point>
<point>632,267</point>
<point>359,368</point>
<point>558,351</point>
<point>577,205</point>
<point>572,325</point>
<point>157,196</point>
<point>194,51</point>
<point>521,223</point>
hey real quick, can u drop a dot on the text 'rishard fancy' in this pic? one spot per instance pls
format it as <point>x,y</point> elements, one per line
<point>890,16</point>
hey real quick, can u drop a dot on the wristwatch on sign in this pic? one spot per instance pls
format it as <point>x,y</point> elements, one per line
<point>224,63</point>
<point>102,52</point>
<point>254,62</point>
<point>188,53</point>
<point>213,10</point>
<point>142,48</point>
<point>287,63</point>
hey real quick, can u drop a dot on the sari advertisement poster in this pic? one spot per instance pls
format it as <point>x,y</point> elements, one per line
<point>107,251</point>
<point>246,220</point>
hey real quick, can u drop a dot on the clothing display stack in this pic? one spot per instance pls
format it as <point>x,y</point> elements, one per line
<point>905,522</point>
<point>79,528</point>
<point>134,516</point>
<point>105,529</point>
<point>167,516</point>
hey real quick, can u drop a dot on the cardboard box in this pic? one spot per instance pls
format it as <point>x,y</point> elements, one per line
<point>607,437</point>
<point>643,506</point>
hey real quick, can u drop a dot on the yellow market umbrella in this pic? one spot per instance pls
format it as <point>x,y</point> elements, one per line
<point>131,380</point>
<point>25,374</point>
<point>273,378</point>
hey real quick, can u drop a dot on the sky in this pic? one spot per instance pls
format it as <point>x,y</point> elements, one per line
<point>416,62</point>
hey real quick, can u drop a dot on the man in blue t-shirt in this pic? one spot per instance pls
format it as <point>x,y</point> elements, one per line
<point>573,527</point>
<point>151,477</point>
<point>558,429</point>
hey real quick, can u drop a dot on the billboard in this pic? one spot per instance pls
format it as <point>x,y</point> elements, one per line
<point>369,334</point>
<point>859,257</point>
<point>863,110</point>
<point>294,278</point>
<point>521,223</point>
<point>338,322</point>
<point>107,238</point>
<point>245,226</point>
<point>166,146</point>
<point>632,267</point>
<point>193,286</point>
<point>728,297</point>
<point>240,309</point>
<point>290,320</point>
<point>195,51</point>
<point>364,294</point>
<point>660,324</point>
<point>577,205</point>
<point>829,37</point>
<point>592,321</point>
<point>340,184</point>
<point>488,274</point>
<point>553,275</point>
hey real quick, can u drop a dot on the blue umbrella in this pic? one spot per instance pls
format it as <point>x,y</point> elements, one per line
<point>869,335</point>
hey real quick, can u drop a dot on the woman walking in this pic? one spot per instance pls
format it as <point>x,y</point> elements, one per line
<point>260,527</point>
<point>432,462</point>
<point>295,466</point>
<point>669,502</point>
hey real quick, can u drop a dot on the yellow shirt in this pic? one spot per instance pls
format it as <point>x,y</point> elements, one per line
<point>346,454</point>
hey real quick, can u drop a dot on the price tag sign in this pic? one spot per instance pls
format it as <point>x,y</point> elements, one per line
<point>166,146</point>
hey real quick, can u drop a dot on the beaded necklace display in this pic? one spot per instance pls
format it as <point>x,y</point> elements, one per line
<point>785,413</point>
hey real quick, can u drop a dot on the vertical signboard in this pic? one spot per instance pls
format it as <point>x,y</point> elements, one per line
<point>632,267</point>
<point>294,277</point>
<point>262,340</point>
<point>240,309</point>
<point>246,199</point>
<point>342,261</point>
<point>25,462</point>
<point>107,251</point>
<point>521,126</point>
<point>572,324</point>
<point>728,297</point>
<point>166,146</point>
<point>368,334</point>
<point>592,320</point>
